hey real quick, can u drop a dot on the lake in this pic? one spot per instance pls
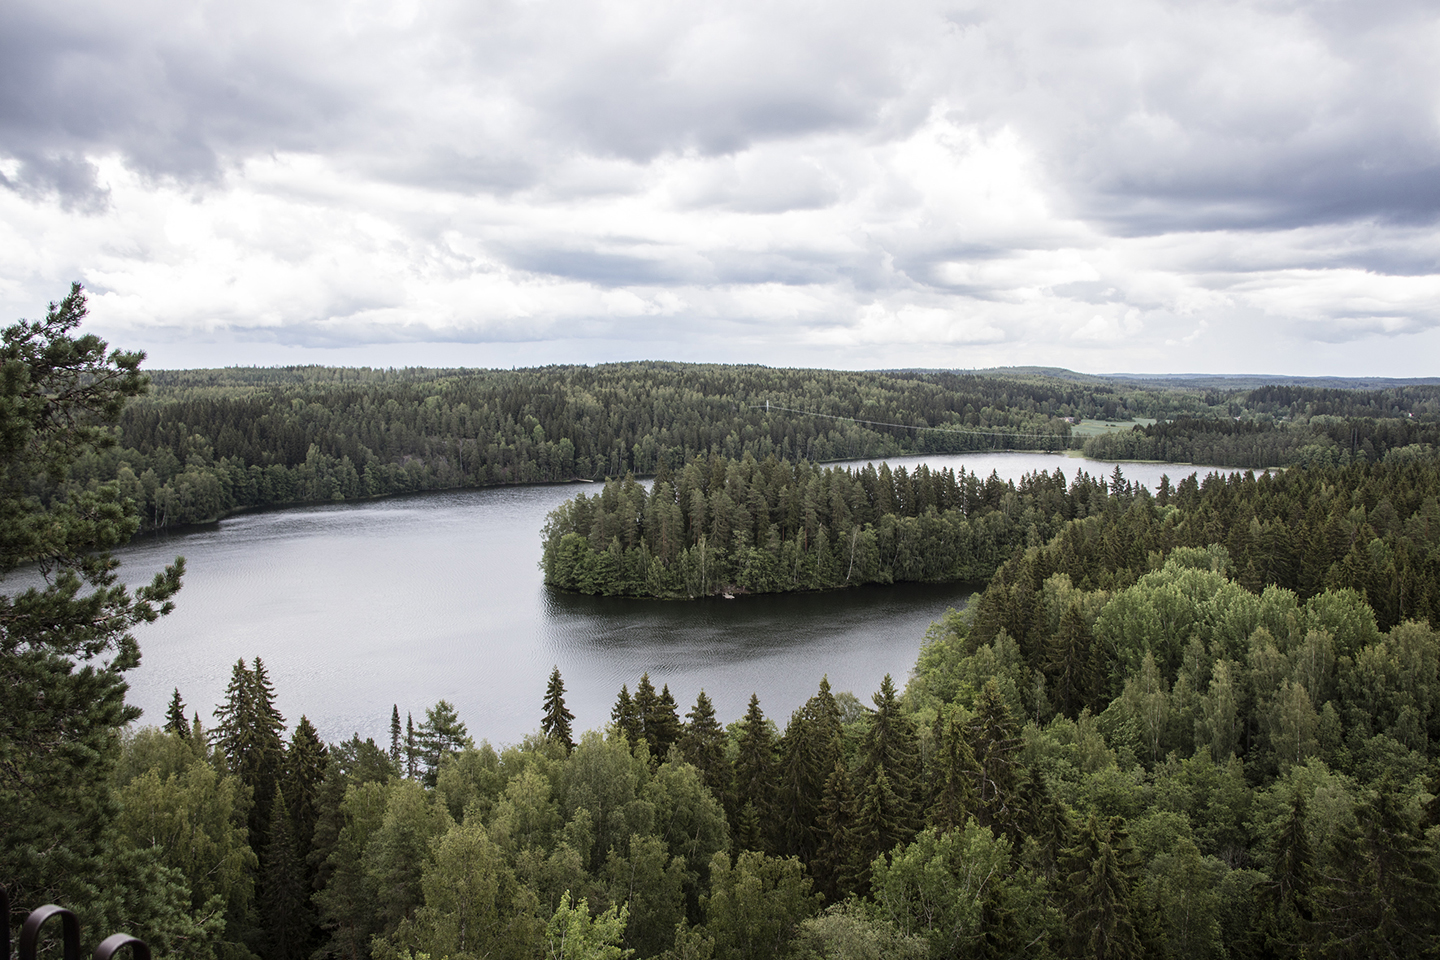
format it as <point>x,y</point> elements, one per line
<point>358,606</point>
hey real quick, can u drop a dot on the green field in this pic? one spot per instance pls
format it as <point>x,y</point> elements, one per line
<point>1094,428</point>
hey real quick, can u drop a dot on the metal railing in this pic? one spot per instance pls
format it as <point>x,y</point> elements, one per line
<point>69,935</point>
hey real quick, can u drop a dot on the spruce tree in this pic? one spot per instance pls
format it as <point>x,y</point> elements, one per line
<point>627,718</point>
<point>1100,916</point>
<point>953,775</point>
<point>395,733</point>
<point>994,738</point>
<point>702,744</point>
<point>808,751</point>
<point>555,725</point>
<point>835,857</point>
<point>884,819</point>
<point>646,701</point>
<point>754,782</point>
<point>1070,664</point>
<point>1286,899</point>
<point>285,919</point>
<point>306,761</point>
<point>175,717</point>
<point>247,739</point>
<point>662,726</point>
<point>412,748</point>
<point>891,749</point>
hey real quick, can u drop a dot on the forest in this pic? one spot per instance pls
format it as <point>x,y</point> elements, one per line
<point>1190,723</point>
<point>741,526</point>
<point>201,444</point>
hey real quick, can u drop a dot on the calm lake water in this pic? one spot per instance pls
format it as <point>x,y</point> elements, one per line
<point>355,607</point>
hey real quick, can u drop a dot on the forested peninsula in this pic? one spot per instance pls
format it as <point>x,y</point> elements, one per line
<point>740,526</point>
<point>1193,723</point>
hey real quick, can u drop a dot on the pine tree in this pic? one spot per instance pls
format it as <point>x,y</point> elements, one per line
<point>395,733</point>
<point>702,744</point>
<point>175,717</point>
<point>555,725</point>
<point>66,645</point>
<point>440,735</point>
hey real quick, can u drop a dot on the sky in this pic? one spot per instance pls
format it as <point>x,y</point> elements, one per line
<point>1130,186</point>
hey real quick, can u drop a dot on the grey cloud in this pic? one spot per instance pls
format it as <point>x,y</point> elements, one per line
<point>1161,118</point>
<point>173,101</point>
<point>598,267</point>
<point>70,178</point>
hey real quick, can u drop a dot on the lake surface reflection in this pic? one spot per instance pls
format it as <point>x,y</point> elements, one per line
<point>358,606</point>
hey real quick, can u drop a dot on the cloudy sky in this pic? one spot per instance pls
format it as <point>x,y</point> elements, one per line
<point>1125,186</point>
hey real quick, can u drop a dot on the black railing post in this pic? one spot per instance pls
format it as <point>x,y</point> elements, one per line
<point>69,932</point>
<point>119,941</point>
<point>69,929</point>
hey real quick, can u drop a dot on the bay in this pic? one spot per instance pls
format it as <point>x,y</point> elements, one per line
<point>355,607</point>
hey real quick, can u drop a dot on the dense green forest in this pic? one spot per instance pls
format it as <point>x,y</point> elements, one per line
<point>203,443</point>
<point>207,442</point>
<point>743,526</point>
<point>1202,722</point>
<point>747,526</point>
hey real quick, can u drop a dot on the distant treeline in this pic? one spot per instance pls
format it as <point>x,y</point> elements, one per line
<point>748,526</point>
<point>1259,443</point>
<point>207,442</point>
<point>204,443</point>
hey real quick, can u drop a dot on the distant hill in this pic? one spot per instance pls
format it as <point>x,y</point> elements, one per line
<point>1212,381</point>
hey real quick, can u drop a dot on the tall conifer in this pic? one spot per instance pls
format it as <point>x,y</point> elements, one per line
<point>834,863</point>
<point>808,751</point>
<point>285,919</point>
<point>662,726</point>
<point>754,782</point>
<point>247,737</point>
<point>412,748</point>
<point>702,744</point>
<point>626,717</point>
<point>175,721</point>
<point>555,725</point>
<point>994,738</point>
